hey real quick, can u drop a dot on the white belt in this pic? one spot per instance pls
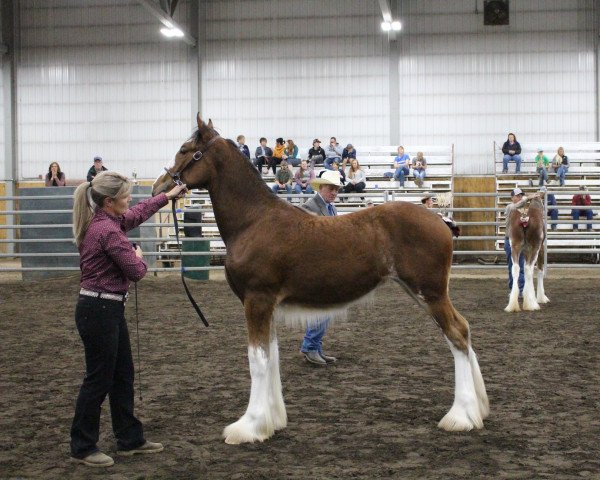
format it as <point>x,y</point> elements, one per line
<point>106,296</point>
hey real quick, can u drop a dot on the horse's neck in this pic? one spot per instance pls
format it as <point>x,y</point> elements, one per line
<point>239,196</point>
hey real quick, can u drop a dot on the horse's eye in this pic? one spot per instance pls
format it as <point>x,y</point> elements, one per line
<point>182,150</point>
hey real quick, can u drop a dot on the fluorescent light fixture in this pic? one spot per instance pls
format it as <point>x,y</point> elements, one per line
<point>396,25</point>
<point>171,32</point>
<point>386,26</point>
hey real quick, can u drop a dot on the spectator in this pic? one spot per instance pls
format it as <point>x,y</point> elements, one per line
<point>542,163</point>
<point>552,212</point>
<point>347,155</point>
<point>512,153</point>
<point>244,150</point>
<point>336,168</point>
<point>583,200</point>
<point>332,152</point>
<point>278,153</point>
<point>419,164</point>
<point>263,155</point>
<point>303,177</point>
<point>427,200</point>
<point>518,201</point>
<point>356,178</point>
<point>291,154</point>
<point>402,166</point>
<point>54,177</point>
<point>283,179</point>
<point>560,165</point>
<point>95,169</point>
<point>316,154</point>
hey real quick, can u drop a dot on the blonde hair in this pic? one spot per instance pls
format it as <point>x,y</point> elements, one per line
<point>90,195</point>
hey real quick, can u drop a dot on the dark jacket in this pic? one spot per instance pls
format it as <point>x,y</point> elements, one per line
<point>244,150</point>
<point>515,146</point>
<point>92,173</point>
<point>316,151</point>
<point>258,153</point>
<point>317,205</point>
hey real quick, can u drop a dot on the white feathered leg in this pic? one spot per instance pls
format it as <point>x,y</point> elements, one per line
<point>465,413</point>
<point>541,294</point>
<point>529,301</point>
<point>257,422</point>
<point>513,299</point>
<point>484,404</point>
<point>276,403</point>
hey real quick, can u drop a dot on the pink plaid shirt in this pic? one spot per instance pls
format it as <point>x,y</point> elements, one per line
<point>107,259</point>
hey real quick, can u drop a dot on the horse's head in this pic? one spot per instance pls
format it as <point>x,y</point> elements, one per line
<point>193,164</point>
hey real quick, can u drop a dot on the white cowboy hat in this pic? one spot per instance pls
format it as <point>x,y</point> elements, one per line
<point>327,177</point>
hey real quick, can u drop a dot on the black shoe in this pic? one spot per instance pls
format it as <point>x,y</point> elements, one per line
<point>314,357</point>
<point>328,358</point>
<point>504,171</point>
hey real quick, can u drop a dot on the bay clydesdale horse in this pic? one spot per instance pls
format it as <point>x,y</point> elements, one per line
<point>291,279</point>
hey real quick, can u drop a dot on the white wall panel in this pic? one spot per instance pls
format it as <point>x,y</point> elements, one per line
<point>296,69</point>
<point>95,77</point>
<point>465,83</point>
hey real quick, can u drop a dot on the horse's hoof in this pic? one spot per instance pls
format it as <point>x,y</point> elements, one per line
<point>246,431</point>
<point>510,309</point>
<point>459,419</point>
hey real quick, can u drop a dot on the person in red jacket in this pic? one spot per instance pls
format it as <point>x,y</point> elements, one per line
<point>583,199</point>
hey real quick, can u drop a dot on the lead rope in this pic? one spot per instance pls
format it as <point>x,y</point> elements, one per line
<point>187,290</point>
<point>137,332</point>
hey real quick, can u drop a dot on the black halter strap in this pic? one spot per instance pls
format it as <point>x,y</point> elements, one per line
<point>176,176</point>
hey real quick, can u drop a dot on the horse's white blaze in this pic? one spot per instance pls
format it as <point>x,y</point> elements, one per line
<point>300,315</point>
<point>482,398</point>
<point>529,301</point>
<point>257,422</point>
<point>513,300</point>
<point>465,413</point>
<point>541,295</point>
<point>276,403</point>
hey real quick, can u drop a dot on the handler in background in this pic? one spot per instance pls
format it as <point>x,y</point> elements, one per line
<point>108,262</point>
<point>328,184</point>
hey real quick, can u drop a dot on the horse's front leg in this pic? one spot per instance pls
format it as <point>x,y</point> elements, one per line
<point>266,411</point>
<point>541,294</point>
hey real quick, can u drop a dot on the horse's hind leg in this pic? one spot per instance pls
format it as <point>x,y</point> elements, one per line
<point>513,299</point>
<point>266,410</point>
<point>541,294</point>
<point>529,300</point>
<point>471,403</point>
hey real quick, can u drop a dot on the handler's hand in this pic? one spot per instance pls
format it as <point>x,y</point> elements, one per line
<point>138,252</point>
<point>177,192</point>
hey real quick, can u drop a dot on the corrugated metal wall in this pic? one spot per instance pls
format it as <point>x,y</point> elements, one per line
<point>296,69</point>
<point>463,83</point>
<point>95,77</point>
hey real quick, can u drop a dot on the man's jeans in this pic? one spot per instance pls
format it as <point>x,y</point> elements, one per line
<point>328,164</point>
<point>510,158</point>
<point>560,173</point>
<point>589,214</point>
<point>521,280</point>
<point>401,173</point>
<point>298,189</point>
<point>313,338</point>
<point>109,371</point>
<point>543,173</point>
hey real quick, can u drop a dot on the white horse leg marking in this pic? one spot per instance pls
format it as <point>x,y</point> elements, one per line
<point>464,414</point>
<point>276,403</point>
<point>541,295</point>
<point>257,422</point>
<point>529,301</point>
<point>513,300</point>
<point>482,398</point>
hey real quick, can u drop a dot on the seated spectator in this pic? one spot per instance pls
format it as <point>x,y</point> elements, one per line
<point>316,155</point>
<point>356,178</point>
<point>278,153</point>
<point>427,200</point>
<point>333,151</point>
<point>552,212</point>
<point>560,165</point>
<point>244,150</point>
<point>512,153</point>
<point>95,169</point>
<point>402,166</point>
<point>54,177</point>
<point>283,179</point>
<point>291,154</point>
<point>347,155</point>
<point>419,164</point>
<point>335,166</point>
<point>303,177</point>
<point>262,156</point>
<point>582,199</point>
<point>541,164</point>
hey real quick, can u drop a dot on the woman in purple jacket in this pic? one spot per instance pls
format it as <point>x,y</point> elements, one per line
<point>108,262</point>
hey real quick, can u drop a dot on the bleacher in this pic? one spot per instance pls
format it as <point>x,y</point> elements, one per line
<point>584,170</point>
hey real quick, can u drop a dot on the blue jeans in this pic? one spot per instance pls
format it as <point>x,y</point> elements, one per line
<point>509,158</point>
<point>401,173</point>
<point>587,213</point>
<point>543,173</point>
<point>418,174</point>
<point>560,174</point>
<point>328,163</point>
<point>510,264</point>
<point>298,189</point>
<point>288,189</point>
<point>313,338</point>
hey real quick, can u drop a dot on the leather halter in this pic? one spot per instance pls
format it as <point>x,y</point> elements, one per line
<point>198,154</point>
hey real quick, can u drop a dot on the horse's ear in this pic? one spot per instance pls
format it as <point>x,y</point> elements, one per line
<point>210,125</point>
<point>199,120</point>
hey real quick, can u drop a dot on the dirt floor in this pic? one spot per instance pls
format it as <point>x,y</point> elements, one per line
<point>371,415</point>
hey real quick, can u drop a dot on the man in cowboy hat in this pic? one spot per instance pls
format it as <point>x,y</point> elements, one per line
<point>427,200</point>
<point>327,184</point>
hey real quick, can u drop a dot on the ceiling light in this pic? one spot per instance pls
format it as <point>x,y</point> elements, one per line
<point>396,25</point>
<point>386,26</point>
<point>171,32</point>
